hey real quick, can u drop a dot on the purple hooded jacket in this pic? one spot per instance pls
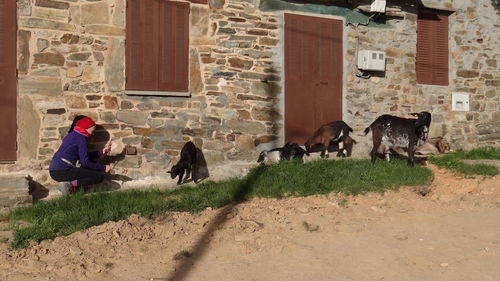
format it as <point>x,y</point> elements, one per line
<point>73,148</point>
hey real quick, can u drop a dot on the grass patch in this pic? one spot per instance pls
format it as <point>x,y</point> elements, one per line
<point>343,203</point>
<point>454,161</point>
<point>68,214</point>
<point>4,239</point>
<point>108,265</point>
<point>310,227</point>
<point>4,217</point>
<point>182,254</point>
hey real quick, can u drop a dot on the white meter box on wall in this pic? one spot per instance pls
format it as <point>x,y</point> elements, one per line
<point>378,6</point>
<point>371,60</point>
<point>460,102</point>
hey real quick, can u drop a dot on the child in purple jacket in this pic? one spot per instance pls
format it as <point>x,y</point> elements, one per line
<point>71,164</point>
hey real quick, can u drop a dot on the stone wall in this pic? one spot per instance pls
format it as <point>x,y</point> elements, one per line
<point>474,52</point>
<point>71,61</point>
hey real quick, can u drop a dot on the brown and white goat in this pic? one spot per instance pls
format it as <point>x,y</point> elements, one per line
<point>327,133</point>
<point>433,146</point>
<point>395,132</point>
<point>347,144</point>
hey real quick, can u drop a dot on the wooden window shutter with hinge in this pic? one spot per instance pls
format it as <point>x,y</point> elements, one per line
<point>432,49</point>
<point>441,55</point>
<point>174,47</point>
<point>142,45</point>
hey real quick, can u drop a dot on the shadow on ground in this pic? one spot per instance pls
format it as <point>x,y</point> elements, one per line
<point>220,219</point>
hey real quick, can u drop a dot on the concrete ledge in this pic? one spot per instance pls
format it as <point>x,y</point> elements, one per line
<point>14,191</point>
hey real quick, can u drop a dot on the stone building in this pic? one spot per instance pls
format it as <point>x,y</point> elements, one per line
<point>241,75</point>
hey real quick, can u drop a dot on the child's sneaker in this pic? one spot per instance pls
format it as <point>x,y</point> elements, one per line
<point>72,189</point>
<point>64,187</point>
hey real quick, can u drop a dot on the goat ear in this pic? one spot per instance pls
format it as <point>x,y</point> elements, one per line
<point>415,114</point>
<point>169,172</point>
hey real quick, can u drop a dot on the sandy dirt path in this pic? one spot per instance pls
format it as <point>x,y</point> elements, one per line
<point>452,233</point>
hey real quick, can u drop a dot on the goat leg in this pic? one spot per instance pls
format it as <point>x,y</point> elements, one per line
<point>341,152</point>
<point>377,145</point>
<point>188,173</point>
<point>373,154</point>
<point>324,152</point>
<point>387,156</point>
<point>411,153</point>
<point>181,174</point>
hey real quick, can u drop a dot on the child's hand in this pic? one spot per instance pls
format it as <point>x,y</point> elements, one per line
<point>108,168</point>
<point>107,148</point>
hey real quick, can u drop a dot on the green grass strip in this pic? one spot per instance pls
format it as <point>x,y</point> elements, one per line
<point>68,214</point>
<point>454,161</point>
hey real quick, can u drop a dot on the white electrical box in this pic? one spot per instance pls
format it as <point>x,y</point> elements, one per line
<point>371,60</point>
<point>378,6</point>
<point>460,102</point>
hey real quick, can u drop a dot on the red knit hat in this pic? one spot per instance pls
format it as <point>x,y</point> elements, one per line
<point>85,123</point>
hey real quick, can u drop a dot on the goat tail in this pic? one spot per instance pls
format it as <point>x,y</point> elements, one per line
<point>367,130</point>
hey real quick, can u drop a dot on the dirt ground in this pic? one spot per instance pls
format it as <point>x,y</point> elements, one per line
<point>451,233</point>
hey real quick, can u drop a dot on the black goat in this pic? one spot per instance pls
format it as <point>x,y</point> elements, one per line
<point>288,152</point>
<point>390,131</point>
<point>191,161</point>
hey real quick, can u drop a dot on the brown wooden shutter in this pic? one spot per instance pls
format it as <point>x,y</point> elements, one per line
<point>8,80</point>
<point>432,48</point>
<point>142,45</point>
<point>424,62</point>
<point>441,52</point>
<point>174,46</point>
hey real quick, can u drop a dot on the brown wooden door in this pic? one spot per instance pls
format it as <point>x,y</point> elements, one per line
<point>8,92</point>
<point>313,74</point>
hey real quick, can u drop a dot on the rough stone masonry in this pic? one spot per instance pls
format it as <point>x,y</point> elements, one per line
<point>71,60</point>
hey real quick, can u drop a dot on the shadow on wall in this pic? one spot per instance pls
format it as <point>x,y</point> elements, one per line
<point>97,142</point>
<point>99,139</point>
<point>496,4</point>
<point>36,190</point>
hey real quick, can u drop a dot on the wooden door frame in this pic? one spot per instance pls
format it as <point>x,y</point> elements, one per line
<point>281,46</point>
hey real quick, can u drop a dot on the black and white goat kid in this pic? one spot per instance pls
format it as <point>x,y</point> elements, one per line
<point>288,152</point>
<point>395,132</point>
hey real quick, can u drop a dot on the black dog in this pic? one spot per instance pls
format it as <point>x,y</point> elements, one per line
<point>192,161</point>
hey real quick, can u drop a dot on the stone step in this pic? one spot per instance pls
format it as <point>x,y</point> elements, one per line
<point>14,191</point>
